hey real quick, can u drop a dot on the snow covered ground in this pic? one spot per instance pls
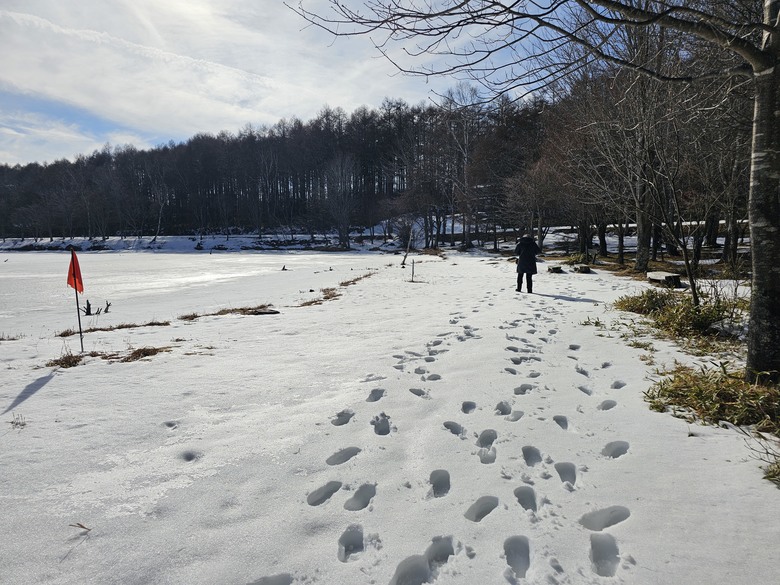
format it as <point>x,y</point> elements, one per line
<point>447,430</point>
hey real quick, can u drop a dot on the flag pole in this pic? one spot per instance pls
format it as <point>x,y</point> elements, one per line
<point>78,312</point>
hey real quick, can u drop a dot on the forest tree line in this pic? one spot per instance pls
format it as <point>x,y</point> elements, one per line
<point>608,148</point>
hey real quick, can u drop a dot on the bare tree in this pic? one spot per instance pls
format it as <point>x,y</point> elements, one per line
<point>339,197</point>
<point>504,39</point>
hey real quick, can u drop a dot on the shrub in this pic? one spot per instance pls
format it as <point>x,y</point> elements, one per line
<point>683,318</point>
<point>675,313</point>
<point>718,394</point>
<point>648,302</point>
<point>575,259</point>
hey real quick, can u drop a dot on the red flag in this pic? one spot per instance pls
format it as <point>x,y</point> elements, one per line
<point>74,273</point>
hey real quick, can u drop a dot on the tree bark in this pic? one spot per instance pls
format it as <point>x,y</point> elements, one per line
<point>763,358</point>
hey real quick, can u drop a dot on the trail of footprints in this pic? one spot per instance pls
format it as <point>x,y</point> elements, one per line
<point>518,552</point>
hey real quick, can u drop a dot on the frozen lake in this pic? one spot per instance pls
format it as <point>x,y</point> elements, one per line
<point>143,286</point>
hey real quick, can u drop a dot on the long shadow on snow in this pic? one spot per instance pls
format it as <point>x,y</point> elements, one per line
<point>565,298</point>
<point>29,390</point>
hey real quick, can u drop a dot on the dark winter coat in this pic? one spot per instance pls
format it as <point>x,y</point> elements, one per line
<point>526,251</point>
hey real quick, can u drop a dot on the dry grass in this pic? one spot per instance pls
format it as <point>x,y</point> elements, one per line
<point>69,332</point>
<point>432,252</point>
<point>4,337</point>
<point>17,422</point>
<point>355,280</point>
<point>144,352</point>
<point>257,310</point>
<point>311,303</point>
<point>331,293</point>
<point>70,360</point>
<point>66,360</point>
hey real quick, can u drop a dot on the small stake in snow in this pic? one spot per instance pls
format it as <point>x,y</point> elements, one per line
<point>74,280</point>
<point>412,269</point>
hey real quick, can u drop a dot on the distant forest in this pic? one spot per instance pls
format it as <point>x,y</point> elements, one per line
<point>608,148</point>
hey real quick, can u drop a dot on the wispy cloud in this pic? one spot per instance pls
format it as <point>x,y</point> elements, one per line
<point>159,71</point>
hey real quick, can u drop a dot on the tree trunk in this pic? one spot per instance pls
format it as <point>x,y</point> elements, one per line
<point>644,230</point>
<point>602,228</point>
<point>621,243</point>
<point>763,358</point>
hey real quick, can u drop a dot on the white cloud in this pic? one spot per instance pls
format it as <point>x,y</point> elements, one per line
<point>27,137</point>
<point>169,70</point>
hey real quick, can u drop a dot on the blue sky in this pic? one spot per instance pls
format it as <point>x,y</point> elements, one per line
<point>77,75</point>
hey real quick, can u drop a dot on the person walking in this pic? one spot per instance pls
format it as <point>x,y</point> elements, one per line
<point>526,251</point>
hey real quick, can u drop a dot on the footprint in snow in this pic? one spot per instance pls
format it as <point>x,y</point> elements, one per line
<point>419,569</point>
<point>454,428</point>
<point>381,424</point>
<point>351,543</point>
<point>361,498</point>
<point>342,418</point>
<point>598,520</point>
<point>615,449</point>
<point>607,405</point>
<point>585,390</point>
<point>342,456</point>
<point>531,455</point>
<point>419,392</point>
<point>468,407</point>
<point>486,438</point>
<point>481,508</point>
<point>517,551</point>
<point>487,452</point>
<point>526,497</point>
<point>375,394</point>
<point>561,421</point>
<point>190,456</point>
<point>503,408</point>
<point>440,483</point>
<point>618,384</point>
<point>524,389</point>
<point>568,474</point>
<point>323,494</point>
<point>604,554</point>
